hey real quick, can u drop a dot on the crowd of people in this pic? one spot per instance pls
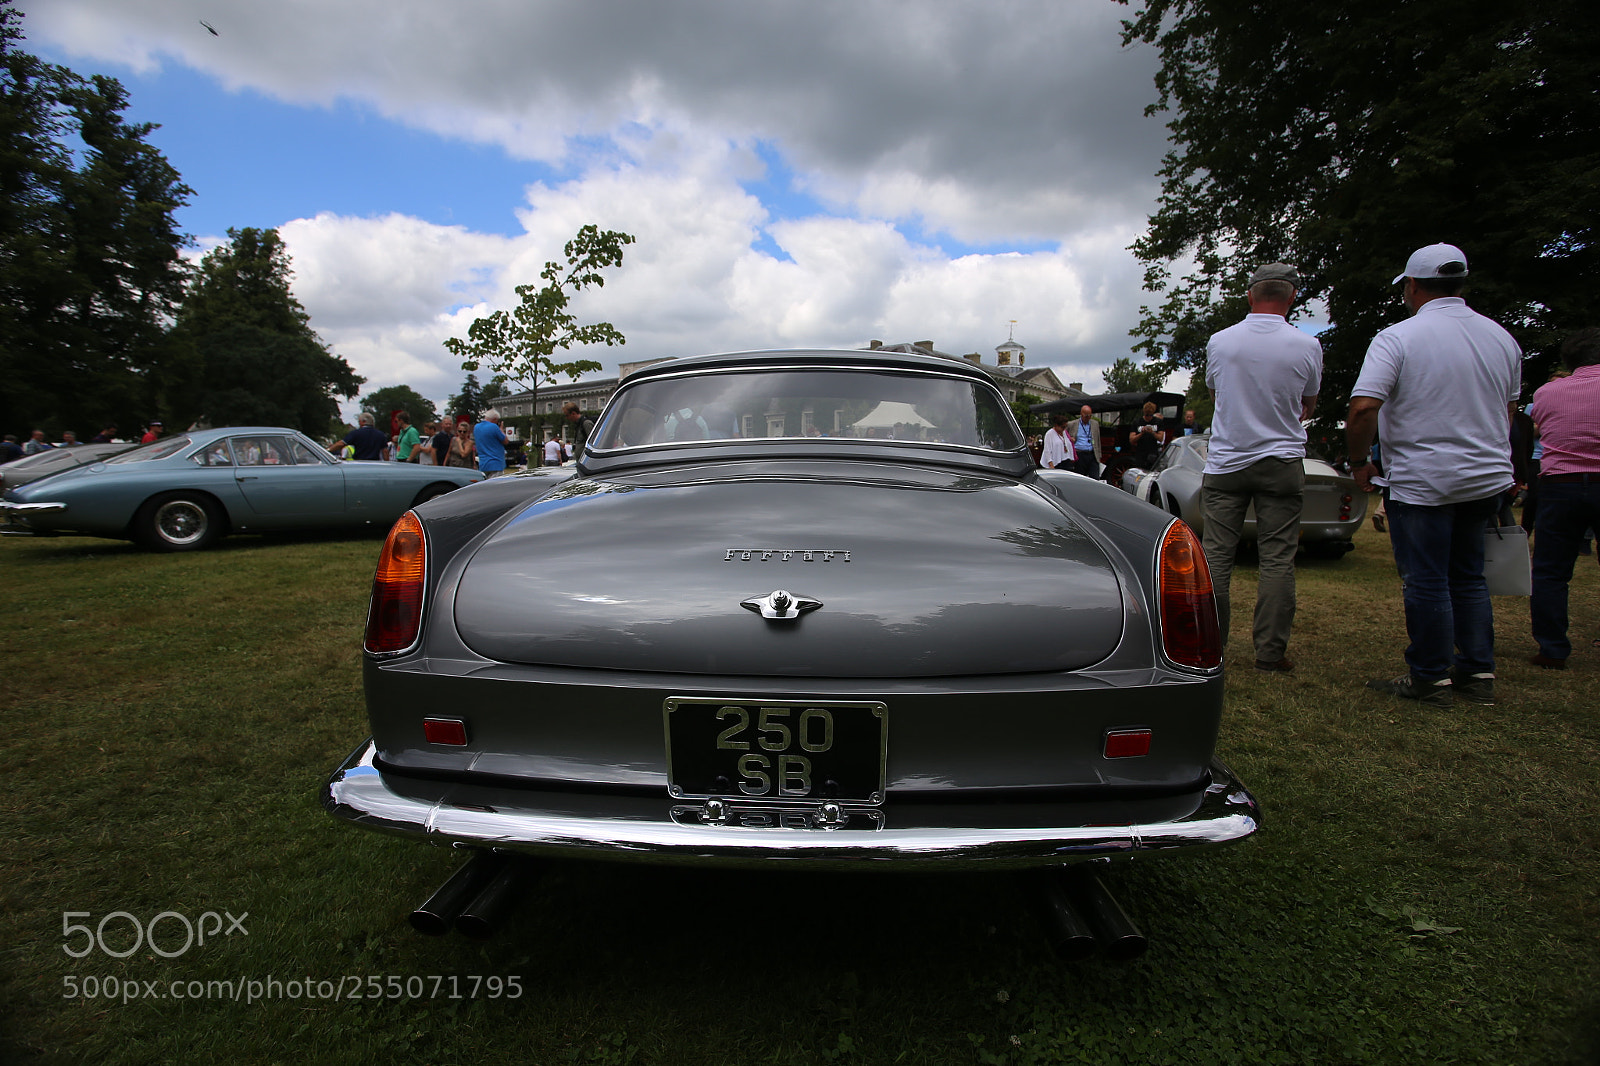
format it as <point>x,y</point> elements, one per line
<point>1440,391</point>
<point>458,442</point>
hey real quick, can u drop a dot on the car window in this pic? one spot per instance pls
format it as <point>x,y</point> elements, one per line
<point>838,404</point>
<point>1169,456</point>
<point>160,449</point>
<point>260,450</point>
<point>216,455</point>
<point>303,455</point>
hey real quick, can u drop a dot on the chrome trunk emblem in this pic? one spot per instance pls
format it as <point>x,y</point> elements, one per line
<point>780,606</point>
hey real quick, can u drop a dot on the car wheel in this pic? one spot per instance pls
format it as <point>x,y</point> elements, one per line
<point>178,522</point>
<point>432,492</point>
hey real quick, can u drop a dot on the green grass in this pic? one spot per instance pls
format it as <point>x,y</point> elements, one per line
<point>1424,889</point>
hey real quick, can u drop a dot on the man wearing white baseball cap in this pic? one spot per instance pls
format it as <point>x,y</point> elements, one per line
<point>1439,388</point>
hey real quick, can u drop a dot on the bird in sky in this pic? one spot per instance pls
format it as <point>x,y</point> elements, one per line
<point>210,27</point>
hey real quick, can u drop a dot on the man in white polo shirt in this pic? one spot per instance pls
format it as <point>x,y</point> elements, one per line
<point>1439,388</point>
<point>1264,375</point>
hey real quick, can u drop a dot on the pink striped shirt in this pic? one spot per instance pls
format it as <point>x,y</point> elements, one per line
<point>1567,412</point>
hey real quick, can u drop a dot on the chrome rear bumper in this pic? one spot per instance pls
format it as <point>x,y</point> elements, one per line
<point>644,829</point>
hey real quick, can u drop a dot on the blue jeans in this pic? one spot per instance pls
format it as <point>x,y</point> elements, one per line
<point>1566,510</point>
<point>1439,553</point>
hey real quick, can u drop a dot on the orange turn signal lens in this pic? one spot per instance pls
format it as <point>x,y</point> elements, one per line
<point>395,616</point>
<point>1190,633</point>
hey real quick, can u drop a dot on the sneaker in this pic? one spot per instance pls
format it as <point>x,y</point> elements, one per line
<point>1474,688</point>
<point>1548,663</point>
<point>1433,693</point>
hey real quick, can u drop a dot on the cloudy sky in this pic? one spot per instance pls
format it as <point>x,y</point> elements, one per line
<point>809,173</point>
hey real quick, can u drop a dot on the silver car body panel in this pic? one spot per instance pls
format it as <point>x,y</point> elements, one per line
<point>1174,486</point>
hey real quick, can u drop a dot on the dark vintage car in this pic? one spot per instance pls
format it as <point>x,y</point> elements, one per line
<point>808,608</point>
<point>1330,518</point>
<point>184,492</point>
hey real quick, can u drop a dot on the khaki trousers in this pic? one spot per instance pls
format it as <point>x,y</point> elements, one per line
<point>1277,489</point>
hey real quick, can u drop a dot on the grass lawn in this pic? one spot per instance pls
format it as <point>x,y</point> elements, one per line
<point>1425,888</point>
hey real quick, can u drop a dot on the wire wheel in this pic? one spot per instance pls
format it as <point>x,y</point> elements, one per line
<point>179,522</point>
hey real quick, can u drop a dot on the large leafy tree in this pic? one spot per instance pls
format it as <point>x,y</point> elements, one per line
<point>90,264</point>
<point>1340,137</point>
<point>520,345</point>
<point>399,398</point>
<point>247,348</point>
<point>1125,376</point>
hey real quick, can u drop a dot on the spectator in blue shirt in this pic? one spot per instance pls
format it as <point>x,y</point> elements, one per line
<point>490,440</point>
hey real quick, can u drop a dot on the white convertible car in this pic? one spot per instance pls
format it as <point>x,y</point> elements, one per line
<point>1334,506</point>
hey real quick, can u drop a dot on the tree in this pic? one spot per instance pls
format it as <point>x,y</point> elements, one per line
<point>399,398</point>
<point>90,264</point>
<point>1340,137</point>
<point>1027,421</point>
<point>519,345</point>
<point>249,354</point>
<point>1124,376</point>
<point>469,403</point>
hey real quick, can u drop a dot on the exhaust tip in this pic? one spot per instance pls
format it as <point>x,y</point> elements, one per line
<point>439,912</point>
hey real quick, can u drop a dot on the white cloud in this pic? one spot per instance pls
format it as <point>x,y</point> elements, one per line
<point>995,125</point>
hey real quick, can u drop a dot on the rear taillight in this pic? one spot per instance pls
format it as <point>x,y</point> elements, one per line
<point>395,616</point>
<point>1189,631</point>
<point>1345,503</point>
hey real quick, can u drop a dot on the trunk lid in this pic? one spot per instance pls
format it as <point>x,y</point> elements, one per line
<point>919,575</point>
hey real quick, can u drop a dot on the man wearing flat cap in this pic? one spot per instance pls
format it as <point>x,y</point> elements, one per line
<point>1264,376</point>
<point>1439,388</point>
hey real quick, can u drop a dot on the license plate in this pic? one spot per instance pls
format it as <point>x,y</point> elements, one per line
<point>775,750</point>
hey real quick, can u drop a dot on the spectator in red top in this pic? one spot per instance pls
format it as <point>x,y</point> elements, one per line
<point>152,432</point>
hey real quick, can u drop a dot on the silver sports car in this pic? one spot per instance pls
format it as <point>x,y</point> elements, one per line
<point>184,492</point>
<point>814,608</point>
<point>19,472</point>
<point>1334,506</point>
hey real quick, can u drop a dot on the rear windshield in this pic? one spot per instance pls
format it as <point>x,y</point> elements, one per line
<point>155,450</point>
<point>837,404</point>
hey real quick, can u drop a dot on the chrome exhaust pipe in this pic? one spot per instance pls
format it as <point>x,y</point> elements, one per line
<point>435,916</point>
<point>1118,938</point>
<point>497,899</point>
<point>1065,928</point>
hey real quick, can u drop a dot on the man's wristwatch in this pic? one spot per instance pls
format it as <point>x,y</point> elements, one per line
<point>1363,461</point>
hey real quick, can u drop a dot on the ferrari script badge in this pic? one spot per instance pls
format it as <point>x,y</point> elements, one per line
<point>780,606</point>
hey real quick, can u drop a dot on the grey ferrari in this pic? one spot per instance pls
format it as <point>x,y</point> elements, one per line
<point>810,608</point>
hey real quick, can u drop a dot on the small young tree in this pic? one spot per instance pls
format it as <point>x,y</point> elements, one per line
<point>520,345</point>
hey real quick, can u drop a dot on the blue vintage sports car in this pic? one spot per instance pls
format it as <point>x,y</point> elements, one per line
<point>184,492</point>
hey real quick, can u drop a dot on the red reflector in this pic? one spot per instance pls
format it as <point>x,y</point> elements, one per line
<point>1126,743</point>
<point>445,731</point>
